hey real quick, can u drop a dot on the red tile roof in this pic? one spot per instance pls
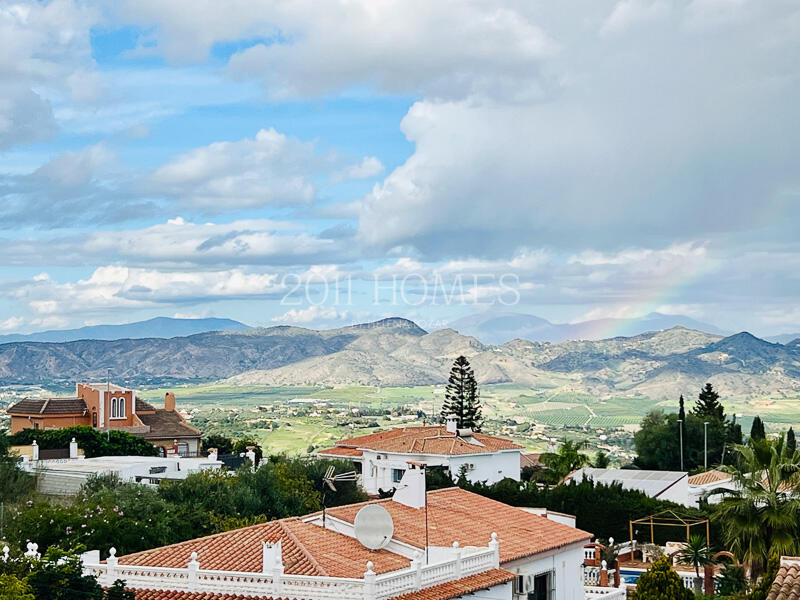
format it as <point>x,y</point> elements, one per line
<point>427,440</point>
<point>712,476</point>
<point>170,595</point>
<point>461,587</point>
<point>787,583</point>
<point>341,451</point>
<point>456,515</point>
<point>48,406</point>
<point>307,550</point>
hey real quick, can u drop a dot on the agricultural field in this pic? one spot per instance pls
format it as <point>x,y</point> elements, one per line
<point>300,419</point>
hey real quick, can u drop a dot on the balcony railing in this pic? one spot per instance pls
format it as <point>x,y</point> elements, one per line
<point>463,562</point>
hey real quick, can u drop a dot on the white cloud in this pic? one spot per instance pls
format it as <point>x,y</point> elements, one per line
<point>445,48</point>
<point>368,167</point>
<point>311,314</point>
<point>11,324</point>
<point>629,13</point>
<point>270,169</point>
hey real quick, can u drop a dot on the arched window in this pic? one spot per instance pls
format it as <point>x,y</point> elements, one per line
<point>113,408</point>
<point>121,408</point>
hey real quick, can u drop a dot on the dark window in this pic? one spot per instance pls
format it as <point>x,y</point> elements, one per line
<point>36,425</point>
<point>358,467</point>
<point>541,587</point>
<point>397,475</point>
<point>94,419</point>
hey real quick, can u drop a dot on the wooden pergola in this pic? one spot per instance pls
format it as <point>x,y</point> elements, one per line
<point>669,518</point>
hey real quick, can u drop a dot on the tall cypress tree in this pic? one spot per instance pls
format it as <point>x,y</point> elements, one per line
<point>461,397</point>
<point>708,405</point>
<point>757,429</point>
<point>681,410</point>
<point>791,443</point>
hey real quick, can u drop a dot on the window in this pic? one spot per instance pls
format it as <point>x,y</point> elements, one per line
<point>541,587</point>
<point>94,419</point>
<point>397,475</point>
<point>113,408</point>
<point>183,448</point>
<point>35,425</point>
<point>121,408</point>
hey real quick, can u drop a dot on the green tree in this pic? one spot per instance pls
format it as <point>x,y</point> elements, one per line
<point>59,576</point>
<point>14,588</point>
<point>696,553</point>
<point>708,405</point>
<point>681,409</point>
<point>761,590</point>
<point>462,398</point>
<point>118,592</point>
<point>760,516</point>
<point>16,483</point>
<point>660,583</point>
<point>791,442</point>
<point>600,460</point>
<point>92,442</point>
<point>732,580</point>
<point>566,459</point>
<point>223,444</point>
<point>757,429</point>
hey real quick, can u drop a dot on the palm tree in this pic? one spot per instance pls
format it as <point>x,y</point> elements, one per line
<point>760,516</point>
<point>696,553</point>
<point>565,460</point>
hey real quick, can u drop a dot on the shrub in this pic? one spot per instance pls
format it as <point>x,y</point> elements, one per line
<point>92,442</point>
<point>659,583</point>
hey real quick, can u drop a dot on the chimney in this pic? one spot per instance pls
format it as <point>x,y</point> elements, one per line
<point>271,557</point>
<point>452,424</point>
<point>411,489</point>
<point>169,401</point>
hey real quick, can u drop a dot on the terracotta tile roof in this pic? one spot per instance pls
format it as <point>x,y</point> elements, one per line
<point>307,550</point>
<point>167,424</point>
<point>170,595</point>
<point>530,459</point>
<point>458,515</point>
<point>48,406</point>
<point>341,451</point>
<point>142,406</point>
<point>787,583</point>
<point>712,476</point>
<point>461,587</point>
<point>428,440</point>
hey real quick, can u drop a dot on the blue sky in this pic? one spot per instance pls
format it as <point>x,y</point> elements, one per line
<point>573,160</point>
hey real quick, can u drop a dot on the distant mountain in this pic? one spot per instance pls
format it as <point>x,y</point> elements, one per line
<point>397,352</point>
<point>160,327</point>
<point>499,328</point>
<point>783,338</point>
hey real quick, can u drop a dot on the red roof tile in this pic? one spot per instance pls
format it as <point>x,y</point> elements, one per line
<point>48,406</point>
<point>456,515</point>
<point>170,595</point>
<point>787,583</point>
<point>712,476</point>
<point>428,440</point>
<point>307,550</point>
<point>461,587</point>
<point>341,451</point>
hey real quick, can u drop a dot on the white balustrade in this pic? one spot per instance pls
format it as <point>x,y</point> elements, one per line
<point>194,578</point>
<point>591,576</point>
<point>604,593</point>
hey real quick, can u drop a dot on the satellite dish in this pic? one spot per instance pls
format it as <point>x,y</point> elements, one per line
<point>374,526</point>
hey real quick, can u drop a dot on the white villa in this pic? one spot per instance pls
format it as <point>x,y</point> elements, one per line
<point>383,457</point>
<point>445,544</point>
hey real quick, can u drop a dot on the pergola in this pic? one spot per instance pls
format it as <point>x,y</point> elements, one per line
<point>669,518</point>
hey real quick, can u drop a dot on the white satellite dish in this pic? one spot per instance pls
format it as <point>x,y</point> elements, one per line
<point>374,526</point>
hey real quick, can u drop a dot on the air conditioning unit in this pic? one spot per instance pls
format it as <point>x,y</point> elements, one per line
<point>523,584</point>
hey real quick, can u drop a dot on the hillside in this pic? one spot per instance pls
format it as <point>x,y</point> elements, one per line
<point>396,352</point>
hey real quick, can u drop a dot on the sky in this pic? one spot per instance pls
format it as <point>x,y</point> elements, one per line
<point>321,164</point>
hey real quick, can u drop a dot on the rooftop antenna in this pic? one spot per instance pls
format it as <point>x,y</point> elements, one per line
<point>330,479</point>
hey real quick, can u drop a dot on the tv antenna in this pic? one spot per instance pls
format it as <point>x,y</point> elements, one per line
<point>330,479</point>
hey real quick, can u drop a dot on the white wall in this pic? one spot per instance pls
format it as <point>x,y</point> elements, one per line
<point>567,563</point>
<point>678,492</point>
<point>498,592</point>
<point>377,473</point>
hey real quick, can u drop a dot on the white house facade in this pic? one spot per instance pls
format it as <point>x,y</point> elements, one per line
<point>383,457</point>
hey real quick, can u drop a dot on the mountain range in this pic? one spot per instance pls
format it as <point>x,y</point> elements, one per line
<point>397,352</point>
<point>499,328</point>
<point>161,327</point>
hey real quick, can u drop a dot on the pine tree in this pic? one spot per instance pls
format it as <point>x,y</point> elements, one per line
<point>791,443</point>
<point>757,429</point>
<point>708,405</point>
<point>462,398</point>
